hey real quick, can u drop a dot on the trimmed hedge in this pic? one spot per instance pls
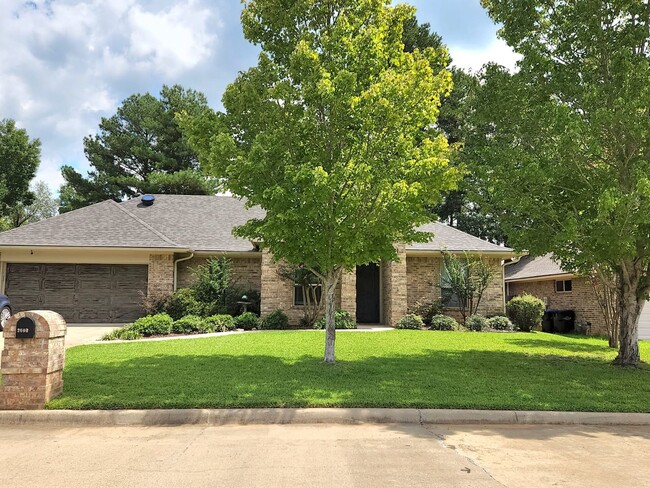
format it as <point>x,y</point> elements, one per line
<point>187,325</point>
<point>220,323</point>
<point>444,322</point>
<point>276,320</point>
<point>342,320</point>
<point>247,321</point>
<point>500,322</point>
<point>525,311</point>
<point>476,323</point>
<point>159,324</point>
<point>410,321</point>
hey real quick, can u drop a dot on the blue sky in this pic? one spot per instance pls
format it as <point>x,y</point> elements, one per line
<point>64,64</point>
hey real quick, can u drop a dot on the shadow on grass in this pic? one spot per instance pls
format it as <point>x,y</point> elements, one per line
<point>539,340</point>
<point>429,379</point>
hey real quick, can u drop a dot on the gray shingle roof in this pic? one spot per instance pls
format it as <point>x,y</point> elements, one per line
<point>533,267</point>
<point>451,239</point>
<point>104,224</point>
<point>198,223</point>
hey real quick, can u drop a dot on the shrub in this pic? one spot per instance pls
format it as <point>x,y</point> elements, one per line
<point>444,322</point>
<point>525,311</point>
<point>125,333</point>
<point>476,323</point>
<point>500,323</point>
<point>427,310</point>
<point>410,321</point>
<point>183,302</point>
<point>247,321</point>
<point>187,325</point>
<point>342,320</point>
<point>159,324</point>
<point>276,320</point>
<point>220,323</point>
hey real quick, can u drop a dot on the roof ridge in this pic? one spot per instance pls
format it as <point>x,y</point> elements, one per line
<point>145,225</point>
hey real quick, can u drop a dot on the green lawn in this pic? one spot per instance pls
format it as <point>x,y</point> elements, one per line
<point>424,369</point>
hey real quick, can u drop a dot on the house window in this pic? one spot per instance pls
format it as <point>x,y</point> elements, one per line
<point>314,291</point>
<point>449,298</point>
<point>563,286</point>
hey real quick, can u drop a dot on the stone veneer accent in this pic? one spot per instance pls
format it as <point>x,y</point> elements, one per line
<point>581,298</point>
<point>423,280</point>
<point>32,369</point>
<point>160,281</point>
<point>394,288</point>
<point>246,272</point>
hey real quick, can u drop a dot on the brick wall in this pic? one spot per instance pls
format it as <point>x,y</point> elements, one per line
<point>160,282</point>
<point>246,272</point>
<point>581,299</point>
<point>394,287</point>
<point>423,280</point>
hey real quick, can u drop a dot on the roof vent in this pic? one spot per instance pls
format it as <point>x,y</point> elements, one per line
<point>147,200</point>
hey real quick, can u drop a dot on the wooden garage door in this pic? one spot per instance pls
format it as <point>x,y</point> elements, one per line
<point>81,293</point>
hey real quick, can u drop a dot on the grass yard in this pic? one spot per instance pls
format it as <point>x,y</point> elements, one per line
<point>400,368</point>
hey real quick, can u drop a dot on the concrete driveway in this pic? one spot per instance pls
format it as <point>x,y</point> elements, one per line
<point>325,456</point>
<point>81,334</point>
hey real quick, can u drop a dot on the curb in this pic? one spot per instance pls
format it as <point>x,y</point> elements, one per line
<point>342,416</point>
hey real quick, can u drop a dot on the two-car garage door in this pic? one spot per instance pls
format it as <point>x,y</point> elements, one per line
<point>81,293</point>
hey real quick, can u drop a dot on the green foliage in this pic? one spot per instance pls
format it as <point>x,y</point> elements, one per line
<point>466,278</point>
<point>183,302</point>
<point>221,323</point>
<point>160,324</point>
<point>332,134</point>
<point>500,322</point>
<point>444,322</point>
<point>19,160</point>
<point>525,311</point>
<point>247,321</point>
<point>136,149</point>
<point>342,320</point>
<point>126,333</point>
<point>476,323</point>
<point>427,310</point>
<point>276,320</point>
<point>410,321</point>
<point>189,324</point>
<point>570,131</point>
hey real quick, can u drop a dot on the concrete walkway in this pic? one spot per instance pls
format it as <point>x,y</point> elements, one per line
<point>80,334</point>
<point>389,455</point>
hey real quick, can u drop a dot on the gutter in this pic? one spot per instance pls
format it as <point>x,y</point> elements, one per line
<point>180,260</point>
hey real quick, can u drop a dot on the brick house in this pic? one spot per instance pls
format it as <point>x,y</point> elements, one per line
<point>95,264</point>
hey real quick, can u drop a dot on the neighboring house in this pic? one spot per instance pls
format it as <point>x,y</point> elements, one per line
<point>95,264</point>
<point>545,279</point>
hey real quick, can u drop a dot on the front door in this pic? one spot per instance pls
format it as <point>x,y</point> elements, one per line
<point>368,294</point>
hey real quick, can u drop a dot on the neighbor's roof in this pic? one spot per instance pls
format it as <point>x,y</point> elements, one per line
<point>185,222</point>
<point>446,238</point>
<point>533,267</point>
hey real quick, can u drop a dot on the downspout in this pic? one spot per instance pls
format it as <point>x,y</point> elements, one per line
<point>506,286</point>
<point>187,258</point>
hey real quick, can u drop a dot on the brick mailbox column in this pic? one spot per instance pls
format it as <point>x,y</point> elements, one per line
<point>32,360</point>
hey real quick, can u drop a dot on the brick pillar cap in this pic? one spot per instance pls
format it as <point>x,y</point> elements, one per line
<point>49,324</point>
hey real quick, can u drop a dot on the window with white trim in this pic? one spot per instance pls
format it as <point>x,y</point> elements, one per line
<point>563,286</point>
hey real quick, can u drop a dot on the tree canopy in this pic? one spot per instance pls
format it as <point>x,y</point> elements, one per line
<point>566,156</point>
<point>333,134</point>
<point>43,206</point>
<point>20,157</point>
<point>137,149</point>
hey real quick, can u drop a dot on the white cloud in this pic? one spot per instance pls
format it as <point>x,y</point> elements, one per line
<point>65,64</point>
<point>474,59</point>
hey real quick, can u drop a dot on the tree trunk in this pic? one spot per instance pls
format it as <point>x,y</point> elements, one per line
<point>630,309</point>
<point>329,283</point>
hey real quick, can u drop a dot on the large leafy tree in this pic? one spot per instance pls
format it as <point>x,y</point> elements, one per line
<point>460,208</point>
<point>567,157</point>
<point>137,149</point>
<point>43,206</point>
<point>333,134</point>
<point>19,160</point>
